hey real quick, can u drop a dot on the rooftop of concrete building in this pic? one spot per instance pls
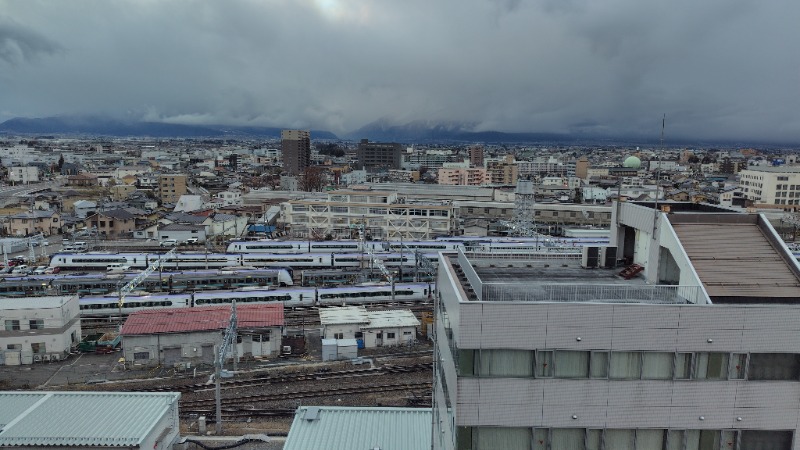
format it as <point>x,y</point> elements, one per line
<point>557,278</point>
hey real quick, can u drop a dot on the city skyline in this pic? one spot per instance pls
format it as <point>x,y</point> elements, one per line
<point>716,69</point>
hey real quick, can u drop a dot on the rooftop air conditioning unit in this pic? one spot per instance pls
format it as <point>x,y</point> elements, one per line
<point>37,358</point>
<point>287,349</point>
<point>590,259</point>
<point>55,357</point>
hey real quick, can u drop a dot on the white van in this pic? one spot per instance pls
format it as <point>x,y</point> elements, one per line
<point>117,267</point>
<point>76,247</point>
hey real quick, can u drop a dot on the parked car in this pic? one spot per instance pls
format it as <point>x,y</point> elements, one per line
<point>191,241</point>
<point>40,270</point>
<point>52,270</point>
<point>168,243</point>
<point>21,269</point>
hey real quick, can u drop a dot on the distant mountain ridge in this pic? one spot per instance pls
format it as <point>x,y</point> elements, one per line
<point>425,131</point>
<point>78,125</point>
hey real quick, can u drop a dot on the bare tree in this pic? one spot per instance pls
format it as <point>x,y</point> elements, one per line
<point>313,179</point>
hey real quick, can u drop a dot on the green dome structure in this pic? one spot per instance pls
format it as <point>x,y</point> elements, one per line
<point>632,162</point>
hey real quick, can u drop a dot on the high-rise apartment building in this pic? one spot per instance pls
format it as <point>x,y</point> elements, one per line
<point>170,187</point>
<point>582,168</point>
<point>379,155</point>
<point>696,347</point>
<point>503,171</point>
<point>476,156</point>
<point>295,150</point>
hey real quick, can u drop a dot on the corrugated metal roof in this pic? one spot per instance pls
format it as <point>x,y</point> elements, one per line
<point>392,318</point>
<point>182,320</point>
<point>340,428</point>
<point>119,419</point>
<point>736,260</point>
<point>342,315</point>
<point>14,405</point>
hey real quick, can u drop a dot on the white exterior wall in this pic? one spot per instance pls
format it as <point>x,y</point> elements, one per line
<point>61,326</point>
<point>182,235</point>
<point>763,187</point>
<point>24,174</point>
<point>400,338</point>
<point>348,330</point>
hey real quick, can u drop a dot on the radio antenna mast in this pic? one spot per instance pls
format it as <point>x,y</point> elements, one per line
<point>658,174</point>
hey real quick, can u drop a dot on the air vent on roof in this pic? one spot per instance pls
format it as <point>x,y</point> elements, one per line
<point>312,413</point>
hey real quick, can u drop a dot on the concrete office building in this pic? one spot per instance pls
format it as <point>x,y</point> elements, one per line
<point>171,187</point>
<point>698,351</point>
<point>295,150</point>
<point>379,155</point>
<point>771,185</point>
<point>381,215</point>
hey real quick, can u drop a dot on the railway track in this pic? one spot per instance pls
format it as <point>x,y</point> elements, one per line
<point>195,405</point>
<point>313,376</point>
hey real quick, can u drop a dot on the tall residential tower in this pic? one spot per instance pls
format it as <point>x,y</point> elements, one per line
<point>296,150</point>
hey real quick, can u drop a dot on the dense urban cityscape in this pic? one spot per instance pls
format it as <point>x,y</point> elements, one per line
<point>416,225</point>
<point>353,261</point>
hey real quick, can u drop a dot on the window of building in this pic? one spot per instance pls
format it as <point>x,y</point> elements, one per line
<point>571,364</point>
<point>683,366</point>
<point>36,324</point>
<point>12,325</point>
<point>338,335</point>
<point>505,363</point>
<point>544,364</point>
<point>657,365</point>
<point>772,366</point>
<point>598,365</point>
<point>711,366</point>
<point>38,347</point>
<point>625,365</point>
<point>389,335</point>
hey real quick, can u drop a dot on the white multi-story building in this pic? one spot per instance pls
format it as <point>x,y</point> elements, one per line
<point>229,198</point>
<point>697,351</point>
<point>771,185</point>
<point>23,174</point>
<point>380,214</point>
<point>40,329</point>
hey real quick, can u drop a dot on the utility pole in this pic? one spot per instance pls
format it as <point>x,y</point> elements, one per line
<point>228,341</point>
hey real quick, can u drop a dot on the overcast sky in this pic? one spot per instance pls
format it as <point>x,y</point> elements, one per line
<point>716,68</point>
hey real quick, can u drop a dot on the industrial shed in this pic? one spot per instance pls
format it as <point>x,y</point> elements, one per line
<point>107,420</point>
<point>342,428</point>
<point>369,328</point>
<point>189,336</point>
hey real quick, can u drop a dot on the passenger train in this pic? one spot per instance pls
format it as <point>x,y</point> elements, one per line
<point>167,281</point>
<point>304,297</point>
<point>189,261</point>
<point>440,245</point>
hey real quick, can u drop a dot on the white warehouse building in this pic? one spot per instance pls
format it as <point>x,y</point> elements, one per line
<point>370,328</point>
<point>37,329</point>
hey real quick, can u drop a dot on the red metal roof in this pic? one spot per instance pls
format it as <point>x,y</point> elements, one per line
<point>182,320</point>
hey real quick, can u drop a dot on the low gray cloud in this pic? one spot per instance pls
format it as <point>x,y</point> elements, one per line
<point>717,68</point>
<point>19,43</point>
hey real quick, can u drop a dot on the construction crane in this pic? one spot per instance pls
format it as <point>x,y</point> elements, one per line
<point>131,285</point>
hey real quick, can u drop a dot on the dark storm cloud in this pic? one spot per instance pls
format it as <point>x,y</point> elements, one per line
<point>18,43</point>
<point>717,68</point>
